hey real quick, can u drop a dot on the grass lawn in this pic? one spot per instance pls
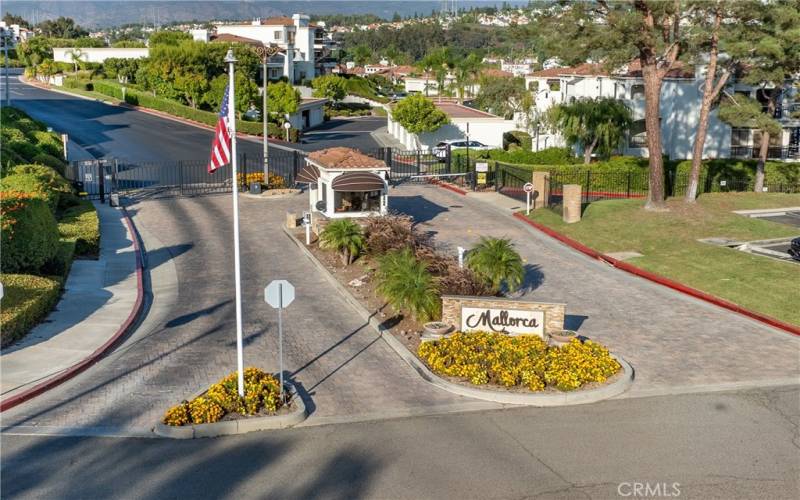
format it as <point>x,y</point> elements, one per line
<point>668,243</point>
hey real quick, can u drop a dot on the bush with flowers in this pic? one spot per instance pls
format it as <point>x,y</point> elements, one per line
<point>275,181</point>
<point>261,395</point>
<point>523,361</point>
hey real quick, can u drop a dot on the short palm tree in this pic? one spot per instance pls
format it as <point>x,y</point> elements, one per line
<point>495,261</point>
<point>407,284</point>
<point>345,237</point>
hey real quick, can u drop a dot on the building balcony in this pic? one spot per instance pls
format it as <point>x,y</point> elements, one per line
<point>791,153</point>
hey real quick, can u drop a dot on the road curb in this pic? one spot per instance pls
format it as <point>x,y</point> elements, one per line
<point>505,397</point>
<point>105,348</point>
<point>661,280</point>
<point>240,426</point>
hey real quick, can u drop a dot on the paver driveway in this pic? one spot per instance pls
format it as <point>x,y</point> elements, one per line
<point>348,370</point>
<point>674,342</point>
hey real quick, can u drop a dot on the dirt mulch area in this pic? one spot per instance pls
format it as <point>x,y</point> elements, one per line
<point>358,279</point>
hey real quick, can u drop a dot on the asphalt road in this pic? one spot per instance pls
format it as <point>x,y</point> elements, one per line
<point>706,446</point>
<point>112,131</point>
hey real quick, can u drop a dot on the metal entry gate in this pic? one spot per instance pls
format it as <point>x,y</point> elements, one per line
<point>99,178</point>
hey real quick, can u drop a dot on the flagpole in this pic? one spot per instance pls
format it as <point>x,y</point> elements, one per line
<point>230,59</point>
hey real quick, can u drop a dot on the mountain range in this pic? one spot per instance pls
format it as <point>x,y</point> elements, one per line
<point>107,13</point>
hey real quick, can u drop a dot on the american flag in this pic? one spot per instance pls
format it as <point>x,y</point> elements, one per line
<point>221,148</point>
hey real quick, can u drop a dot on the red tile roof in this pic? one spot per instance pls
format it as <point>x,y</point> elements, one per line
<point>634,70</point>
<point>278,21</point>
<point>343,158</point>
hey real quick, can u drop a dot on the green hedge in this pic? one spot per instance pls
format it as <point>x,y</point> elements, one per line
<point>25,140</point>
<point>549,156</point>
<point>39,179</point>
<point>774,172</point>
<point>27,299</point>
<point>29,233</point>
<point>81,225</point>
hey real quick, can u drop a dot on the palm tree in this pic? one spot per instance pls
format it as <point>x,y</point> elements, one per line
<point>75,55</point>
<point>407,284</point>
<point>465,71</point>
<point>345,237</point>
<point>495,261</point>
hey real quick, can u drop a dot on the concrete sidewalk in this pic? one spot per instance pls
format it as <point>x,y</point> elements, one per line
<point>98,298</point>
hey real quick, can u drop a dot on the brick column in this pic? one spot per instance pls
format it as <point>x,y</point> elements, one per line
<point>572,203</point>
<point>541,189</point>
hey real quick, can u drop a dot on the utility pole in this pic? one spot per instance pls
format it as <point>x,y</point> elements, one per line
<point>265,52</point>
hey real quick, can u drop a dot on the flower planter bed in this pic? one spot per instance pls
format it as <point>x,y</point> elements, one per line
<point>220,411</point>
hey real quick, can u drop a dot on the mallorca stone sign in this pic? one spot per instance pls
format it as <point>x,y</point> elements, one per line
<point>495,314</point>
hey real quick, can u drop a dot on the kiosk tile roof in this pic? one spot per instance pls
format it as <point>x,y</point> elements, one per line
<point>344,158</point>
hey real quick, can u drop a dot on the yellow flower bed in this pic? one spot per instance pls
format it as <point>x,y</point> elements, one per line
<point>261,392</point>
<point>527,361</point>
<point>275,181</point>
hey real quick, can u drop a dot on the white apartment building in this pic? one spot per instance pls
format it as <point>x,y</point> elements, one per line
<point>14,33</point>
<point>304,47</point>
<point>681,97</point>
<point>97,54</point>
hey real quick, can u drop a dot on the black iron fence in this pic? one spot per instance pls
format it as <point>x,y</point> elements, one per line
<point>99,178</point>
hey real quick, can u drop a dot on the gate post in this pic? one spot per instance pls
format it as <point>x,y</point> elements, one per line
<point>418,161</point>
<point>448,159</point>
<point>388,158</point>
<point>295,164</point>
<point>114,186</point>
<point>101,180</point>
<point>541,189</point>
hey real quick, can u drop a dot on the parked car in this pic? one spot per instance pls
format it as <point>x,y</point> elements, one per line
<point>794,249</point>
<point>440,150</point>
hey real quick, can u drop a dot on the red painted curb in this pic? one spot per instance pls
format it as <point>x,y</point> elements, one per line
<point>100,351</point>
<point>661,280</point>
<point>450,187</point>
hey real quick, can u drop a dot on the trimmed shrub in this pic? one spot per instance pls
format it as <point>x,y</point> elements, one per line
<point>81,225</point>
<point>79,84</point>
<point>51,161</point>
<point>28,126</point>
<point>26,301</point>
<point>774,172</point>
<point>407,284</point>
<point>24,149</point>
<point>549,156</point>
<point>49,143</point>
<point>29,232</point>
<point>517,138</point>
<point>44,181</point>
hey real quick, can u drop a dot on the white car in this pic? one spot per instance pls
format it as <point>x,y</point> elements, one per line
<point>440,150</point>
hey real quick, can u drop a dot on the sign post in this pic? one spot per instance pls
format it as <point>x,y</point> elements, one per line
<point>279,294</point>
<point>528,188</point>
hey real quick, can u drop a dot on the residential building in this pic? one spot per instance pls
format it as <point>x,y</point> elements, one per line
<point>428,85</point>
<point>97,54</point>
<point>14,33</point>
<point>464,122</point>
<point>302,45</point>
<point>681,98</point>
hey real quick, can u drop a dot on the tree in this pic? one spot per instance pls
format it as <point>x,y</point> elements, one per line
<point>464,72</point>
<point>47,69</point>
<point>418,114</point>
<point>407,284</point>
<point>592,124</point>
<point>647,32</point>
<point>767,49</point>
<point>495,261</point>
<point>282,99</point>
<point>10,19</point>
<point>34,51</point>
<point>331,87</point>
<point>441,62</point>
<point>169,38</point>
<point>500,95</point>
<point>361,55</point>
<point>63,27</point>
<point>345,237</point>
<point>746,112</point>
<point>194,86</point>
<point>75,55</point>
<point>707,23</point>
<point>246,92</point>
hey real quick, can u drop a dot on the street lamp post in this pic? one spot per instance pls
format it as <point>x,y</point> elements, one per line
<point>265,52</point>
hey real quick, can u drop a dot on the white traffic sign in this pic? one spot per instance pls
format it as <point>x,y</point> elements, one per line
<point>528,187</point>
<point>279,294</point>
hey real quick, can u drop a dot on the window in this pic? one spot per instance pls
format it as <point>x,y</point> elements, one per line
<point>740,137</point>
<point>637,92</point>
<point>278,35</point>
<point>638,135</point>
<point>774,139</point>
<point>346,201</point>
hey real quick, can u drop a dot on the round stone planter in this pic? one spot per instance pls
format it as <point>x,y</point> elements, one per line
<point>562,337</point>
<point>297,415</point>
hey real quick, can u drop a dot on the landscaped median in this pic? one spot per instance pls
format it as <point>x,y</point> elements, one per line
<point>670,246</point>
<point>220,410</point>
<point>399,282</point>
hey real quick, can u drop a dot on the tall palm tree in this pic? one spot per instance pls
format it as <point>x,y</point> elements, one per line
<point>495,261</point>
<point>464,72</point>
